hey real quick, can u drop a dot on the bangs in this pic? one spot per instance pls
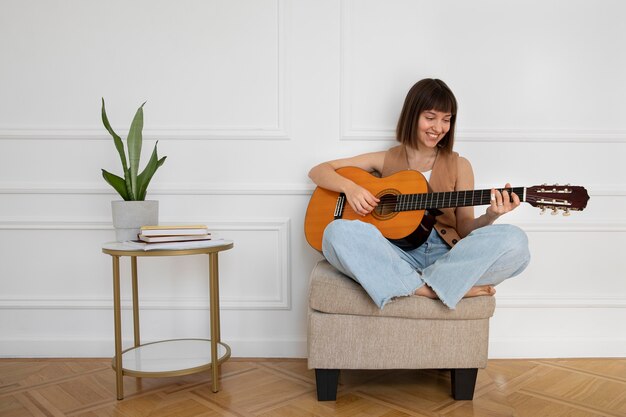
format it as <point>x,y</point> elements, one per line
<point>441,100</point>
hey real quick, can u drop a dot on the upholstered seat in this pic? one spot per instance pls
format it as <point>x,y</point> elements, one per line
<point>348,331</point>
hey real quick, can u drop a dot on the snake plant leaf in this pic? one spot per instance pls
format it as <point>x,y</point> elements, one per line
<point>118,141</point>
<point>133,142</point>
<point>144,178</point>
<point>118,183</point>
<point>129,188</point>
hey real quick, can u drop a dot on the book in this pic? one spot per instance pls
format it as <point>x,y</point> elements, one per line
<point>193,244</point>
<point>174,230</point>
<point>173,238</point>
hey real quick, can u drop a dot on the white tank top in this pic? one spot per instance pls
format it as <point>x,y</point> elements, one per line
<point>427,174</point>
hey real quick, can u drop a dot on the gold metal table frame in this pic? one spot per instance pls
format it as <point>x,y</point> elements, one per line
<point>117,250</point>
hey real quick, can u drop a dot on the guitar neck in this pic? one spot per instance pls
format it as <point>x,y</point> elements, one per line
<point>447,199</point>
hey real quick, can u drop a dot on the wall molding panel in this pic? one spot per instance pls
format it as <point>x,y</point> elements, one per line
<point>281,300</point>
<point>565,136</point>
<point>26,224</point>
<point>201,303</point>
<point>278,130</point>
<point>163,189</point>
<point>538,302</point>
<point>351,131</point>
<point>218,189</point>
<point>542,135</point>
<point>281,226</point>
<point>145,303</point>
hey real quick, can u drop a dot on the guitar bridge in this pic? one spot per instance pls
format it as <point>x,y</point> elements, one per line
<point>341,202</point>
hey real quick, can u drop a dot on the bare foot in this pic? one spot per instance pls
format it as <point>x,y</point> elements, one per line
<point>480,290</point>
<point>426,291</point>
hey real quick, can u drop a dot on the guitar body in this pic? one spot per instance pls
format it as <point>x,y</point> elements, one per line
<point>403,228</point>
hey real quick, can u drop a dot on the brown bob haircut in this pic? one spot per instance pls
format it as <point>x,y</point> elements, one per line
<point>426,94</point>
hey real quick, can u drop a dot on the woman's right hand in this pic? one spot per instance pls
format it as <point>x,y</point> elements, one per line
<point>360,199</point>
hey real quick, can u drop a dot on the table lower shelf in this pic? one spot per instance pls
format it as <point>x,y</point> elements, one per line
<point>171,358</point>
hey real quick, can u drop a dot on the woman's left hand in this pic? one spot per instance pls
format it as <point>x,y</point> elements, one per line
<point>501,202</point>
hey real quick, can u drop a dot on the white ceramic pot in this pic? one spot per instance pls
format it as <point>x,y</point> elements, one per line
<point>129,216</point>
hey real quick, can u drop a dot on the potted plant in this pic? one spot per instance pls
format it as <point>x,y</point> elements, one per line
<point>133,212</point>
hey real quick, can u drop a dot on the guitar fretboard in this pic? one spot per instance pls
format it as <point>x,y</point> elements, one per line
<point>447,199</point>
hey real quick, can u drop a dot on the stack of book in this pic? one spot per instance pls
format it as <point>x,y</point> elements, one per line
<point>173,237</point>
<point>173,233</point>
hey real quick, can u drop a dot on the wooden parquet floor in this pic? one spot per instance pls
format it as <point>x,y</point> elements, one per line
<point>285,388</point>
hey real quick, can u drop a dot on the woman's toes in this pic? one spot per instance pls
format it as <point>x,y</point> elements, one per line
<point>426,291</point>
<point>480,290</point>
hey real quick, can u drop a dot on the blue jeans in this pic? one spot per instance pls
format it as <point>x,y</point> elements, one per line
<point>487,256</point>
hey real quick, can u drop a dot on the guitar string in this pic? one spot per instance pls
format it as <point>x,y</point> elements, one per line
<point>432,200</point>
<point>425,201</point>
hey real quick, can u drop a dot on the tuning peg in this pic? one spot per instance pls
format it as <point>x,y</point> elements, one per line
<point>543,211</point>
<point>555,211</point>
<point>566,212</point>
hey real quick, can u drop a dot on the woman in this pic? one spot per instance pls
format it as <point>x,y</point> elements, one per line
<point>464,256</point>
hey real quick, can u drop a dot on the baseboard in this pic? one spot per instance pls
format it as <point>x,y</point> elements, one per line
<point>526,348</point>
<point>499,348</point>
<point>98,348</point>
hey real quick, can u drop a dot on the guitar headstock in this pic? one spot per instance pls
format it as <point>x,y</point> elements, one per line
<point>557,197</point>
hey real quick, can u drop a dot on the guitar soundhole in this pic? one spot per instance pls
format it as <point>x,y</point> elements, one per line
<point>386,206</point>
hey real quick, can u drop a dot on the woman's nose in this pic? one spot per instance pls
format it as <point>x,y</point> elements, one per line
<point>441,126</point>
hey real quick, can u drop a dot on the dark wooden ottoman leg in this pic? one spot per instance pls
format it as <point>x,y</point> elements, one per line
<point>463,383</point>
<point>326,381</point>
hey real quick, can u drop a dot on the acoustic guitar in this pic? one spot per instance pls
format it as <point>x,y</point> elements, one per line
<point>407,209</point>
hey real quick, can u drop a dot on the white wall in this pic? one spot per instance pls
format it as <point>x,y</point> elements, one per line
<point>244,97</point>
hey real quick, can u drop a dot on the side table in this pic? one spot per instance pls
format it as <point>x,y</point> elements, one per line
<point>167,357</point>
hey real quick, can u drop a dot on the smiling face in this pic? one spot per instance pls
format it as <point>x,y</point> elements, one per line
<point>428,116</point>
<point>432,127</point>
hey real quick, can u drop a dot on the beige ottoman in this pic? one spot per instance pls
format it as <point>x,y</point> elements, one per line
<point>347,331</point>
